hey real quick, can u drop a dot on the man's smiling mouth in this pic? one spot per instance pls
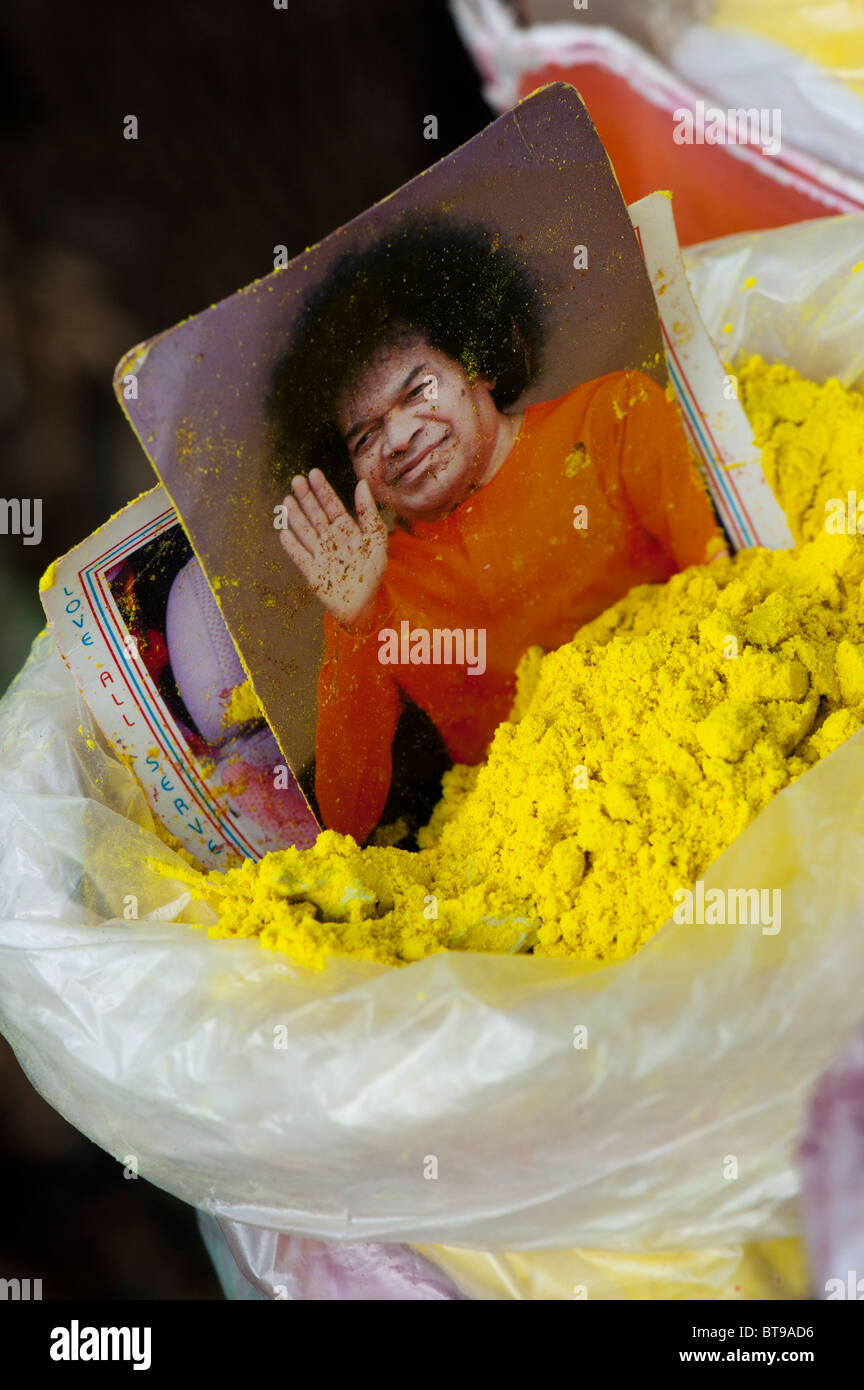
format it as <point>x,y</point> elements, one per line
<point>412,470</point>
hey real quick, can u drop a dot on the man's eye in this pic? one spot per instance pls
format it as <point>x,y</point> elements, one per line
<point>418,390</point>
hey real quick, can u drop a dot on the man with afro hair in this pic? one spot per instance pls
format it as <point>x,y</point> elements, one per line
<point>396,395</point>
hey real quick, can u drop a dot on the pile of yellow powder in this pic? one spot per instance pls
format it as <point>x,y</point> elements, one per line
<point>812,442</point>
<point>634,755</point>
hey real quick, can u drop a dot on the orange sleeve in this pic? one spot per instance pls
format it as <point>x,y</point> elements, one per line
<point>659,476</point>
<point>358,709</point>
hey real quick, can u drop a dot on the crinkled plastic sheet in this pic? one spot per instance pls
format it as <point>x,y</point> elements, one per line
<point>158,1042</point>
<point>253,1263</point>
<point>832,1166</point>
<point>806,306</point>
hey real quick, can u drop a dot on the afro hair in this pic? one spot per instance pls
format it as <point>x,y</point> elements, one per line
<point>454,285</point>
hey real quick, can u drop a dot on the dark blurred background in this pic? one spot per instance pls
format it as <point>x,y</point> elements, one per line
<point>256,127</point>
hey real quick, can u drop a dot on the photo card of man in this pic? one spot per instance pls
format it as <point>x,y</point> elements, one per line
<point>138,626</point>
<point>436,439</point>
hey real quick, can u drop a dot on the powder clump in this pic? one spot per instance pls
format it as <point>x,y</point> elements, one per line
<point>242,705</point>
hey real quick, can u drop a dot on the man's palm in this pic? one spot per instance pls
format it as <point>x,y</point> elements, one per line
<point>342,560</point>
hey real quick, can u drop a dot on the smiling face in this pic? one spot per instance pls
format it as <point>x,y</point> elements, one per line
<point>419,430</point>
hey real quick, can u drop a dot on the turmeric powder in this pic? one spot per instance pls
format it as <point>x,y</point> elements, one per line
<point>633,756</point>
<point>811,438</point>
<point>242,705</point>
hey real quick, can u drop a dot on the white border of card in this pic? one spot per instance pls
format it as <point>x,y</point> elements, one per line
<point>719,432</point>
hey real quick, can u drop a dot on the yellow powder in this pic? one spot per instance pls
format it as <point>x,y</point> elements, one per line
<point>577,460</point>
<point>811,437</point>
<point>242,706</point>
<point>634,755</point>
<point>830,33</point>
<point>161,831</point>
<point>49,578</point>
<point>157,827</point>
<point>391,834</point>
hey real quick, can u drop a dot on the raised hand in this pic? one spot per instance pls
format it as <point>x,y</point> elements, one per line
<point>342,560</point>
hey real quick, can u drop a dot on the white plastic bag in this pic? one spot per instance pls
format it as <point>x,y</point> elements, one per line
<point>794,294</point>
<point>253,1263</point>
<point>161,1044</point>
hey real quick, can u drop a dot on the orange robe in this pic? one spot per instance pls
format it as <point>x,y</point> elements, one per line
<point>510,559</point>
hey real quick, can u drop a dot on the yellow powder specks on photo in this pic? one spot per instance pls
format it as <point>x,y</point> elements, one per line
<point>576,461</point>
<point>242,705</point>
